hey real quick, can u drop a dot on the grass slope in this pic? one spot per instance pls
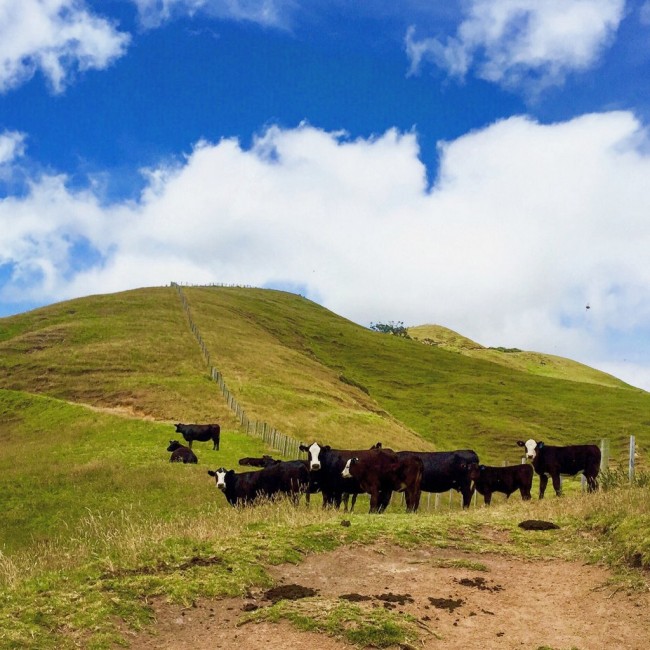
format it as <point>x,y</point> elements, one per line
<point>536,363</point>
<point>97,522</point>
<point>305,370</point>
<point>275,349</point>
<point>62,463</point>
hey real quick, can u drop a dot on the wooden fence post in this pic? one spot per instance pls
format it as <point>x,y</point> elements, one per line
<point>604,454</point>
<point>630,471</point>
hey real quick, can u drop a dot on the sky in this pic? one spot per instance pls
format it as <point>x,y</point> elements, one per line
<point>482,164</point>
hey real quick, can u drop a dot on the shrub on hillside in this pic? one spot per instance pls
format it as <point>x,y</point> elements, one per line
<point>396,329</point>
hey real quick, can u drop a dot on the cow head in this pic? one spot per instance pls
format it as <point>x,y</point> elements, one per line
<point>346,473</point>
<point>174,445</point>
<point>474,472</point>
<point>531,447</point>
<point>314,452</point>
<point>220,476</point>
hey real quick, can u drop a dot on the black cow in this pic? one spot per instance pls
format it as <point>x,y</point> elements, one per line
<point>253,461</point>
<point>200,432</point>
<point>446,470</point>
<point>326,465</point>
<point>548,460</point>
<point>180,453</point>
<point>501,479</point>
<point>381,471</point>
<point>290,477</point>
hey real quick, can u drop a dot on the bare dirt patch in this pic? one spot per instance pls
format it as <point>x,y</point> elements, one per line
<point>513,604</point>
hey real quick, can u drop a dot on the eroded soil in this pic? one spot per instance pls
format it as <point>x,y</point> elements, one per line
<point>513,604</point>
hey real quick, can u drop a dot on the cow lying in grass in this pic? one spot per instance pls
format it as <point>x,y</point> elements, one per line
<point>180,453</point>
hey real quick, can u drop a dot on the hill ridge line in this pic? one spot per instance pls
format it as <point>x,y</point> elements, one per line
<point>286,445</point>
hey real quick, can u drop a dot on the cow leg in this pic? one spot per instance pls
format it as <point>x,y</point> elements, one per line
<point>592,483</point>
<point>412,500</point>
<point>467,493</point>
<point>487,497</point>
<point>543,482</point>
<point>190,443</point>
<point>374,501</point>
<point>557,484</point>
<point>525,494</point>
<point>384,499</point>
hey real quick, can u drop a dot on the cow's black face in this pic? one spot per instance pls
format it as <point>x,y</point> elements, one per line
<point>474,472</point>
<point>173,445</point>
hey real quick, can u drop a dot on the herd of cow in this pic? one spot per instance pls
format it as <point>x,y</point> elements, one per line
<point>341,473</point>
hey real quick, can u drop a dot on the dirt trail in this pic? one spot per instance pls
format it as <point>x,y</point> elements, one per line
<point>512,605</point>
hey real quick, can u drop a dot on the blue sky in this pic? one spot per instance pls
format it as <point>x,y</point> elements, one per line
<point>481,164</point>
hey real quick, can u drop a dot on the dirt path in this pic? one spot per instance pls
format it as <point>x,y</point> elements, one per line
<point>469,602</point>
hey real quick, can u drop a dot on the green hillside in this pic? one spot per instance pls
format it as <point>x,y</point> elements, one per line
<point>97,524</point>
<point>307,371</point>
<point>536,363</point>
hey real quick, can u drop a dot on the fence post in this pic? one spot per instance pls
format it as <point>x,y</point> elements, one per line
<point>604,454</point>
<point>631,465</point>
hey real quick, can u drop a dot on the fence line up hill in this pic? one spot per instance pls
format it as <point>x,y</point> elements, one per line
<point>286,445</point>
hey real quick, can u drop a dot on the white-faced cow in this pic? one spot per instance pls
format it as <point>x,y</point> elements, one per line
<point>285,477</point>
<point>379,472</point>
<point>326,465</point>
<point>548,460</point>
<point>507,480</point>
<point>180,453</point>
<point>446,470</point>
<point>200,432</point>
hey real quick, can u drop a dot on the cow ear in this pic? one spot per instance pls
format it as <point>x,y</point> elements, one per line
<point>303,448</point>
<point>521,443</point>
<point>212,473</point>
<point>481,467</point>
<point>325,448</point>
<point>540,444</point>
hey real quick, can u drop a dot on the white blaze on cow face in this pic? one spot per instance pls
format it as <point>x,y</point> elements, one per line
<point>314,457</point>
<point>346,470</point>
<point>531,449</point>
<point>220,476</point>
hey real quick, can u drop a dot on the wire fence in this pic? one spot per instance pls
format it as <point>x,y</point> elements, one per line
<point>283,444</point>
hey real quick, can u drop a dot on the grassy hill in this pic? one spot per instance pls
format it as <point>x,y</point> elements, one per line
<point>307,371</point>
<point>97,522</point>
<point>536,363</point>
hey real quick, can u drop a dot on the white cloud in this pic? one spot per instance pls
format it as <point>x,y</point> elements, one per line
<point>56,37</point>
<point>522,42</point>
<point>525,226</point>
<point>12,146</point>
<point>273,13</point>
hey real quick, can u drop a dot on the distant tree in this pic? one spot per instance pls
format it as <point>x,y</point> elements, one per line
<point>396,329</point>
